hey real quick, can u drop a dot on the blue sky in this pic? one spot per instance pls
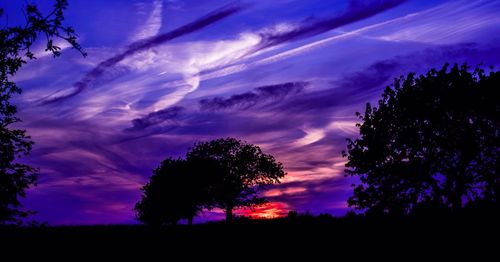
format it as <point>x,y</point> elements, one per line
<point>287,75</point>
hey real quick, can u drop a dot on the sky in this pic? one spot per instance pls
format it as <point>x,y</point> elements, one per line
<point>286,75</point>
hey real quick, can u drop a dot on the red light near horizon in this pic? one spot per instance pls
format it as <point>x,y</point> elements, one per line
<point>266,211</point>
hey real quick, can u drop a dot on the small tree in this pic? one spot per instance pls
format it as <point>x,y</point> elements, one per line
<point>15,44</point>
<point>244,170</point>
<point>163,196</point>
<point>433,141</point>
<point>178,189</point>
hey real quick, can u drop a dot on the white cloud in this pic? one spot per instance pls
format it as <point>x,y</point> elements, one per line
<point>153,23</point>
<point>313,135</point>
<point>434,24</point>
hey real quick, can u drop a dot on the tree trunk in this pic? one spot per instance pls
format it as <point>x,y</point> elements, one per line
<point>457,202</point>
<point>190,221</point>
<point>459,189</point>
<point>229,214</point>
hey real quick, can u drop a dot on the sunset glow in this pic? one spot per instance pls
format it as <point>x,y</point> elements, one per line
<point>266,211</point>
<point>285,75</point>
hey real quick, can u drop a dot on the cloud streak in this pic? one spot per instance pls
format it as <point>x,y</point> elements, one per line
<point>282,33</point>
<point>355,12</point>
<point>295,98</point>
<point>156,118</point>
<point>139,46</point>
<point>258,96</point>
<point>153,23</point>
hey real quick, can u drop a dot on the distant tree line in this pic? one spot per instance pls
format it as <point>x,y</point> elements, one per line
<point>222,173</point>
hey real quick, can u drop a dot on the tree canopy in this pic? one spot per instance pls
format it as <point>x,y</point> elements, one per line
<point>15,50</point>
<point>433,140</point>
<point>245,170</point>
<point>223,173</point>
<point>178,189</point>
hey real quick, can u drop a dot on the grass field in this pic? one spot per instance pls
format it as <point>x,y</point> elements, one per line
<point>342,235</point>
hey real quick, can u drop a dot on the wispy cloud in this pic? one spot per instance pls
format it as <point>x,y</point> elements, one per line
<point>156,118</point>
<point>153,22</point>
<point>433,25</point>
<point>265,75</point>
<point>355,12</point>
<point>271,93</point>
<point>139,46</point>
<point>267,38</point>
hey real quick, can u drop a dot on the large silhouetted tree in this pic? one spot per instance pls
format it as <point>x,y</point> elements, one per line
<point>433,140</point>
<point>178,189</point>
<point>244,170</point>
<point>15,50</point>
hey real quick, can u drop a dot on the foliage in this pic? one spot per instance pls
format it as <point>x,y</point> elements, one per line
<point>245,170</point>
<point>223,173</point>
<point>15,50</point>
<point>433,143</point>
<point>178,189</point>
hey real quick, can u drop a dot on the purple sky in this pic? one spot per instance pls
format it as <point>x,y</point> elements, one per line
<point>287,75</point>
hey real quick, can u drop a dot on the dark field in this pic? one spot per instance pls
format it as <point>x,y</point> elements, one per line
<point>321,235</point>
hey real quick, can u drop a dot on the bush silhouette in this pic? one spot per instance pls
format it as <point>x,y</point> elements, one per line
<point>432,143</point>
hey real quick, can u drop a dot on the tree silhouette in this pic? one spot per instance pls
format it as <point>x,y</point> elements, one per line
<point>161,199</point>
<point>433,141</point>
<point>15,50</point>
<point>179,189</point>
<point>244,170</point>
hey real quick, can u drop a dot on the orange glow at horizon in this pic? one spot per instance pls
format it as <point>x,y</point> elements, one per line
<point>266,211</point>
